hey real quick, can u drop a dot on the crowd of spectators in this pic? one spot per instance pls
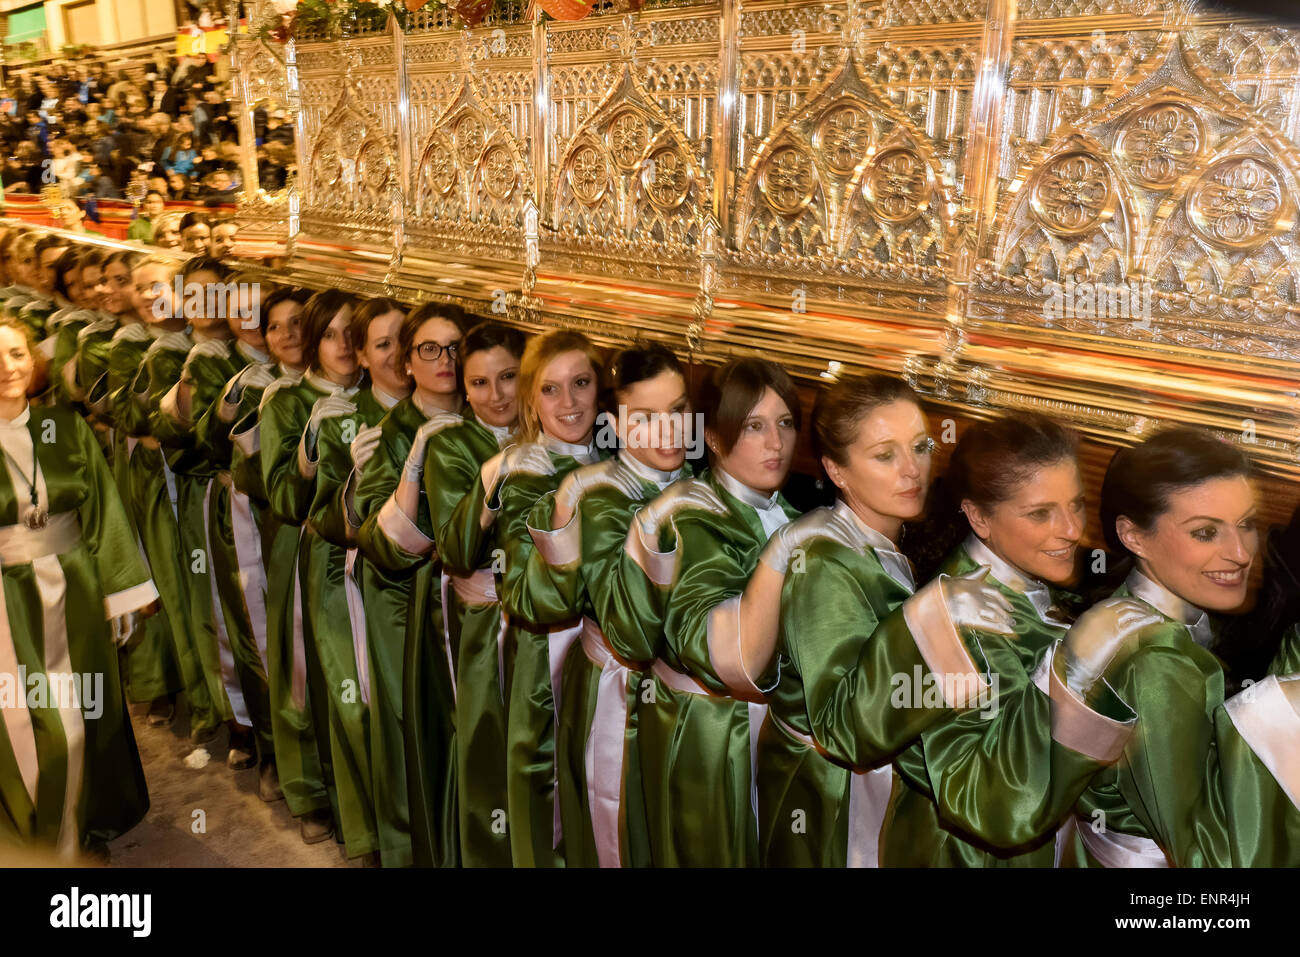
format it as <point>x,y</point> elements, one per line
<point>104,135</point>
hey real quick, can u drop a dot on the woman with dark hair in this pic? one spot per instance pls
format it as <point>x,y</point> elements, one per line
<point>579,531</point>
<point>398,580</point>
<point>338,623</point>
<point>73,580</point>
<point>850,620</point>
<point>322,675</point>
<point>167,509</point>
<point>81,279</point>
<point>559,384</point>
<point>152,670</point>
<point>699,542</point>
<point>989,787</point>
<point>89,362</point>
<point>473,626</point>
<point>264,466</point>
<point>255,553</point>
<point>1203,782</point>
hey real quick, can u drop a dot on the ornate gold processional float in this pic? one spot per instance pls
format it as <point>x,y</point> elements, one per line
<point>1084,207</point>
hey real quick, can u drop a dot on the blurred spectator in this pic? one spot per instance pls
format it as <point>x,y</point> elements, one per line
<point>222,240</point>
<point>141,229</point>
<point>167,233</point>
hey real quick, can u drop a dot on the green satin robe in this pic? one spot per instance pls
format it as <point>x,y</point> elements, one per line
<point>63,328</point>
<point>454,494</point>
<point>299,700</point>
<point>532,815</point>
<point>695,749</point>
<point>169,510</point>
<point>355,732</point>
<point>836,656</point>
<point>192,474</point>
<point>99,576</point>
<point>989,787</point>
<point>1188,779</point>
<point>584,568</point>
<point>152,669</point>
<point>236,567</point>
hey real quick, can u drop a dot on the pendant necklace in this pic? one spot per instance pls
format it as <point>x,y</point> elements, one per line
<point>37,517</point>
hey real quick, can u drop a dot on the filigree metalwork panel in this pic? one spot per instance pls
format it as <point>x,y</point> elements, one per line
<point>971,193</point>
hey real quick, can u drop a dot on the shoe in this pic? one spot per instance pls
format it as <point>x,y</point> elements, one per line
<point>162,712</point>
<point>243,750</point>
<point>268,783</point>
<point>316,826</point>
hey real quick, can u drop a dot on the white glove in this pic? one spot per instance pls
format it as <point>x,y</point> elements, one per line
<point>691,493</point>
<point>793,536</point>
<point>1098,636</point>
<point>414,467</point>
<point>328,407</point>
<point>364,445</point>
<point>527,459</point>
<point>258,375</point>
<point>583,480</point>
<point>973,603</point>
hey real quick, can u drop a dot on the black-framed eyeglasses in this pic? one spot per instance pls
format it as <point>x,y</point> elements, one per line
<point>432,351</point>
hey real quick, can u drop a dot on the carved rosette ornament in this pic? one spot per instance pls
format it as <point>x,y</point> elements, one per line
<point>374,167</point>
<point>627,140</point>
<point>469,139</point>
<point>898,185</point>
<point>666,178</point>
<point>499,175</point>
<point>842,138</point>
<point>1239,202</point>
<point>1160,143</point>
<point>587,174</point>
<point>439,167</point>
<point>1073,194</point>
<point>788,180</point>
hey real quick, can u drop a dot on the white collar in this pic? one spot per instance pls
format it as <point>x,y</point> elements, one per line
<point>328,385</point>
<point>501,433</point>
<point>586,454</point>
<point>893,561</point>
<point>658,477</point>
<point>1171,606</point>
<point>293,375</point>
<point>383,398</point>
<point>751,497</point>
<point>1039,595</point>
<point>249,353</point>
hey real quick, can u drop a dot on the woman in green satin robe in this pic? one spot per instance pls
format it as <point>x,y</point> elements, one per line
<point>850,624</point>
<point>70,774</point>
<point>699,542</point>
<point>579,532</point>
<point>400,583</point>
<point>559,383</point>
<point>152,667</point>
<point>472,620</point>
<point>323,679</point>
<point>989,787</point>
<point>300,765</point>
<point>1201,783</point>
<point>94,342</point>
<point>165,511</point>
<point>236,579</point>
<point>210,363</point>
<point>78,281</point>
<point>263,549</point>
